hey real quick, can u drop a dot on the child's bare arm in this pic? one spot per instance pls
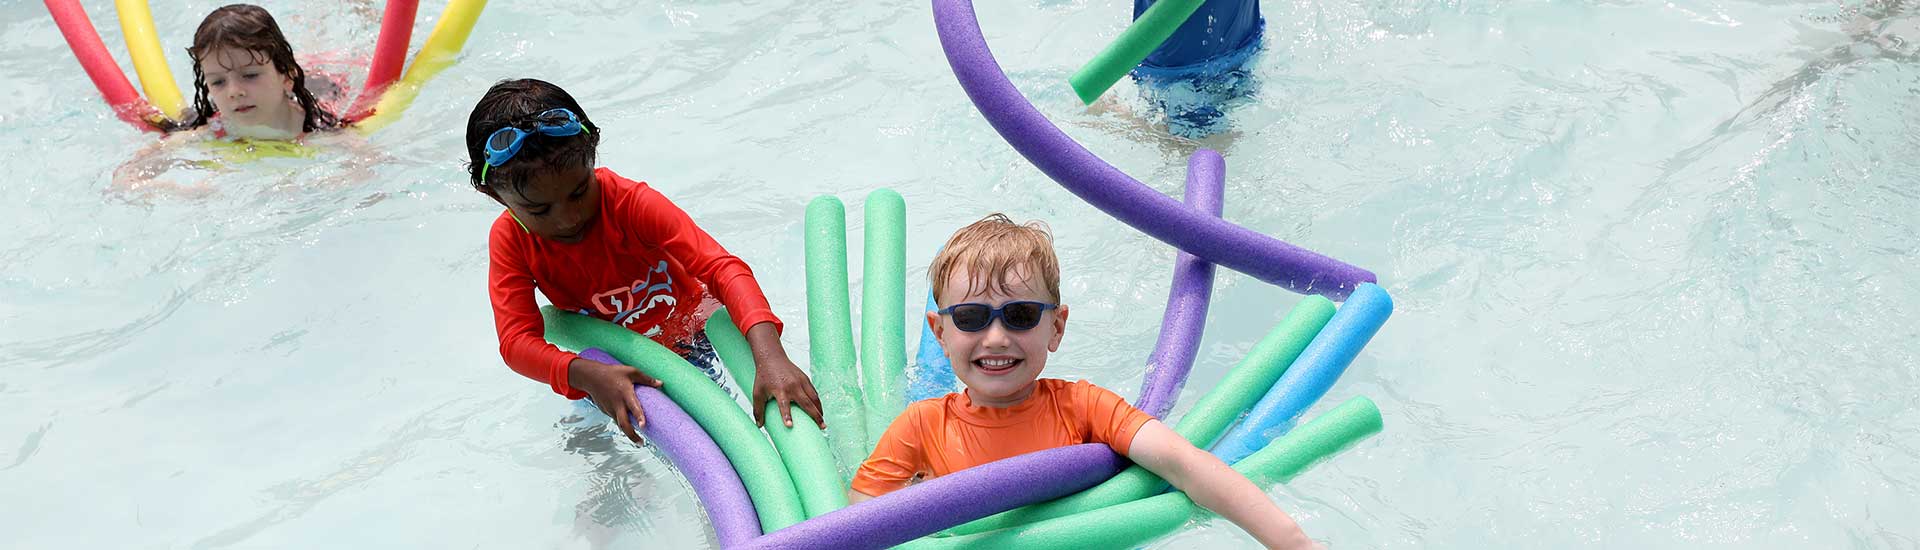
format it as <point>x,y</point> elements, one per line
<point>610,388</point>
<point>140,173</point>
<point>1214,485</point>
<point>729,279</point>
<point>777,378</point>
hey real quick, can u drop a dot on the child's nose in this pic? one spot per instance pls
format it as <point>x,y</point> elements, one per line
<point>996,335</point>
<point>577,220</point>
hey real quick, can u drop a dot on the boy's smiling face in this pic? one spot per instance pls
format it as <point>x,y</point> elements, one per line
<point>998,365</point>
<point>556,203</point>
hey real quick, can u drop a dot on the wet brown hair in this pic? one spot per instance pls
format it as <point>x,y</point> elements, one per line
<point>515,103</point>
<point>991,249</point>
<point>250,28</point>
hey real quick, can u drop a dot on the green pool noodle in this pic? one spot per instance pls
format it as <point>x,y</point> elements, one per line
<point>1210,417</point>
<point>1133,45</point>
<point>730,345</point>
<point>768,484</point>
<point>803,448</point>
<point>830,333</point>
<point>883,340</point>
<point>1132,524</point>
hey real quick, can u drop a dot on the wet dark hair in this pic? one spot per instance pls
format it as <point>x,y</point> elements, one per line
<point>515,103</point>
<point>249,28</point>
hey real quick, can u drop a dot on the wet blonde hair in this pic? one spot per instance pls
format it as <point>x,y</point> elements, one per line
<point>991,249</point>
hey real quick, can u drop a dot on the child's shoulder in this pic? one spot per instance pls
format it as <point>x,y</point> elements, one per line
<point>614,180</point>
<point>621,193</point>
<point>1078,390</point>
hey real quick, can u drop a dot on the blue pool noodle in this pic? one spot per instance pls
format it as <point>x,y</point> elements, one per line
<point>932,375</point>
<point>1311,375</point>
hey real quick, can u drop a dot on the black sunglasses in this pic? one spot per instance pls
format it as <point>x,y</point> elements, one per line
<point>1016,316</point>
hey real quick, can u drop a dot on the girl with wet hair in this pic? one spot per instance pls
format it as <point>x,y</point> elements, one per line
<point>246,82</point>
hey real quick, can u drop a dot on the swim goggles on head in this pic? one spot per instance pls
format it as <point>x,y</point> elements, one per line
<point>505,142</point>
<point>1016,316</point>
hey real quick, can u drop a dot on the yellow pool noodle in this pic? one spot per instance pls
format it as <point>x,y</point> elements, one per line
<point>143,45</point>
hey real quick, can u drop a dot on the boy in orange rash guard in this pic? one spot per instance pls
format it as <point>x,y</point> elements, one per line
<point>998,285</point>
<point>606,246</point>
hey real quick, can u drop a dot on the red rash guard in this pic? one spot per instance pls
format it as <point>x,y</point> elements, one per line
<point>643,265</point>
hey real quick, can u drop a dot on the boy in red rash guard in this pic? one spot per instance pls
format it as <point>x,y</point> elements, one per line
<point>602,245</point>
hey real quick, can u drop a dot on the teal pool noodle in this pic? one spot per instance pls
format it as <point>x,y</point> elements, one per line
<point>768,485</point>
<point>883,341</point>
<point>803,448</point>
<point>1134,44</point>
<point>931,375</point>
<point>836,373</point>
<point>1311,375</point>
<point>726,342</point>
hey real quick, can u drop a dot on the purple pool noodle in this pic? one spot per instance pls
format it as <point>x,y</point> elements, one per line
<point>952,499</point>
<point>1111,190</point>
<point>692,452</point>
<point>1186,315</point>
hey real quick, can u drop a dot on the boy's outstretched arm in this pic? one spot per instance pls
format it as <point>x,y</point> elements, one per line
<point>776,377</point>
<point>1214,485</point>
<point>729,279</point>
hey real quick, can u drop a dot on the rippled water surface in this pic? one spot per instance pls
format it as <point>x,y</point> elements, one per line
<point>1653,265</point>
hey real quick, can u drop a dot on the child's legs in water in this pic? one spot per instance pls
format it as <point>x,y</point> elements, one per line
<point>699,352</point>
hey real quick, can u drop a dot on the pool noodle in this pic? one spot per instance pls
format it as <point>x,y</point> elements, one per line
<point>948,500</point>
<point>389,56</point>
<point>448,36</point>
<point>143,46</point>
<point>803,448</point>
<point>92,54</point>
<point>1185,319</point>
<point>830,332</point>
<point>697,458</point>
<point>760,469</point>
<point>731,345</point>
<point>1134,44</point>
<point>1218,30</point>
<point>1134,523</point>
<point>1312,374</point>
<point>1210,416</point>
<point>931,374</point>
<point>883,341</point>
<point>1111,190</point>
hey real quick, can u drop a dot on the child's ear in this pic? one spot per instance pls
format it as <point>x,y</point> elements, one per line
<point>1059,328</point>
<point>939,329</point>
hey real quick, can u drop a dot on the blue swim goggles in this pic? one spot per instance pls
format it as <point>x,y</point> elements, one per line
<point>505,142</point>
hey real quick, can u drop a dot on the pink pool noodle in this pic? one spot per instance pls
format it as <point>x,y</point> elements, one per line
<point>389,56</point>
<point>85,42</point>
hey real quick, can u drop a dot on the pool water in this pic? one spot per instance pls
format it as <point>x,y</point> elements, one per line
<point>1652,261</point>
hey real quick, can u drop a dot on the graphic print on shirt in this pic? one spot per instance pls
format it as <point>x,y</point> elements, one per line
<point>625,305</point>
